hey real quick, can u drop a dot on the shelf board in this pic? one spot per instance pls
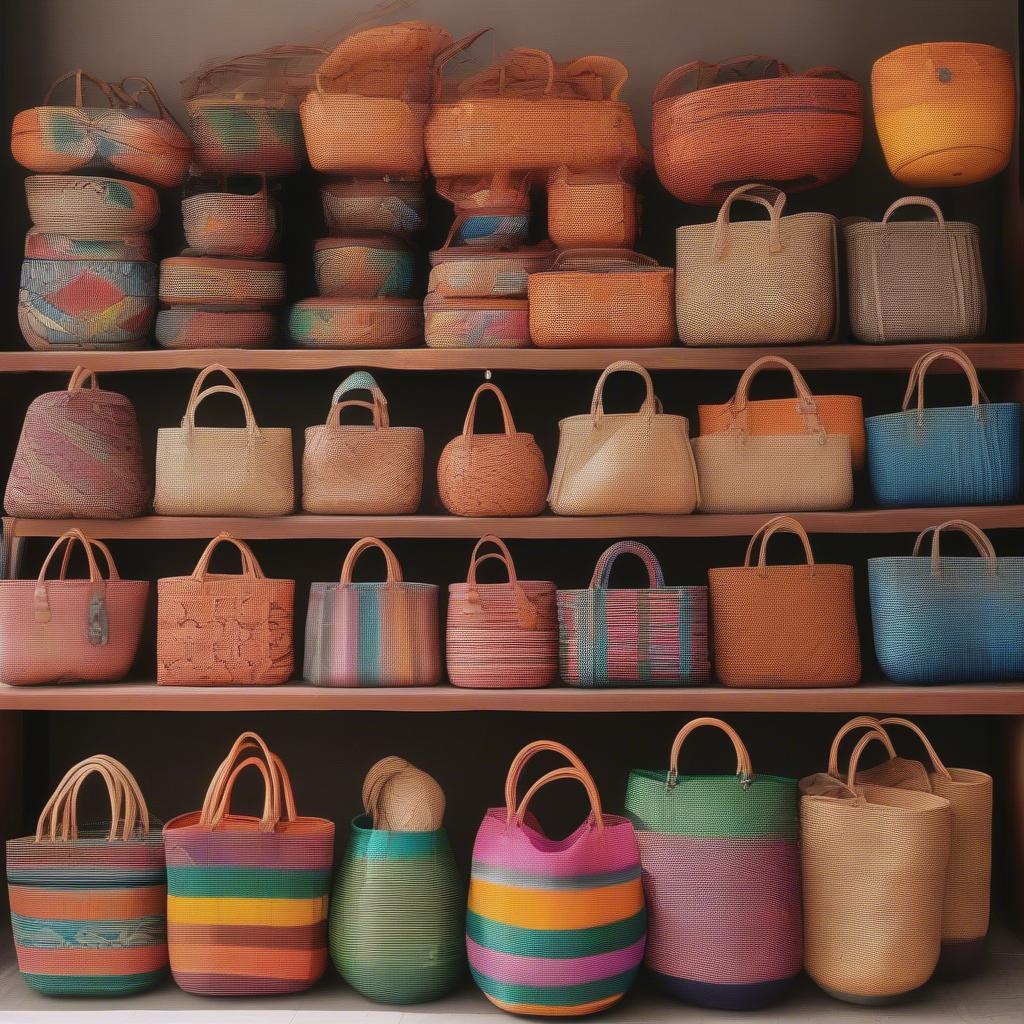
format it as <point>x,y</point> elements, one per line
<point>986,356</point>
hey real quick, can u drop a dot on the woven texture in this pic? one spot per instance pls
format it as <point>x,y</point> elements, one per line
<point>501,635</point>
<point>652,637</point>
<point>397,912</point>
<point>492,474</point>
<point>223,471</point>
<point>756,282</point>
<point>485,273</point>
<point>88,906</point>
<point>390,206</point>
<point>372,634</point>
<point>784,625</point>
<point>956,455</point>
<point>220,281</point>
<point>363,268</point>
<point>216,629</point>
<point>555,928</point>
<point>231,224</point>
<point>79,456</point>
<point>68,631</point>
<point>189,327</point>
<point>944,112</point>
<point>91,208</point>
<point>362,470</point>
<point>808,127</point>
<point>356,323</point>
<point>592,209</point>
<point>593,298</point>
<point>722,879</point>
<point>247,896</point>
<point>460,322</point>
<point>621,463</point>
<point>48,245</point>
<point>938,618</point>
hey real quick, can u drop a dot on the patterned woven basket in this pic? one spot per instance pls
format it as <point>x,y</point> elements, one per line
<point>221,281</point>
<point>657,636</point>
<point>197,327</point>
<point>594,298</point>
<point>79,456</point>
<point>938,618</point>
<point>223,223</point>
<point>555,927</point>
<point>721,862</point>
<point>89,904</point>
<point>247,896</point>
<point>94,208</point>
<point>472,272</point>
<point>914,281</point>
<point>501,635</point>
<point>69,631</point>
<point>49,245</point>
<point>593,208</point>
<point>784,625</point>
<point>455,321</point>
<point>356,323</point>
<point>945,112</point>
<point>955,455</point>
<point>122,136</point>
<point>362,470</point>
<point>367,206</point>
<point>363,268</point>
<point>808,127</point>
<point>219,629</point>
<point>372,634</point>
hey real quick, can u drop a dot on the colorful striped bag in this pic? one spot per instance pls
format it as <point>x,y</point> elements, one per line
<point>657,636</point>
<point>555,927</point>
<point>247,896</point>
<point>721,862</point>
<point>88,906</point>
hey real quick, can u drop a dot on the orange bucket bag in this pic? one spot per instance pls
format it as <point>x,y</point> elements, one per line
<point>784,625</point>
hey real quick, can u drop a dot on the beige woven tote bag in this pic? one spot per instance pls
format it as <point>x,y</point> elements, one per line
<point>874,862</point>
<point>741,472</point>
<point>752,283</point>
<point>223,471</point>
<point>636,462</point>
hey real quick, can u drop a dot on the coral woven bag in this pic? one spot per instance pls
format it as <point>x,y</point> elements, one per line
<point>235,221</point>
<point>95,208</point>
<point>593,208</point>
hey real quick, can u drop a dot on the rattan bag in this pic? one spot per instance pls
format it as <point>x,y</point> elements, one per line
<point>457,321</point>
<point>593,208</point>
<point>91,208</point>
<point>220,222</point>
<point>363,268</point>
<point>391,206</point>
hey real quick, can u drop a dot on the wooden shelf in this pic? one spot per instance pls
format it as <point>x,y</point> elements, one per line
<point>986,356</point>
<point>953,699</point>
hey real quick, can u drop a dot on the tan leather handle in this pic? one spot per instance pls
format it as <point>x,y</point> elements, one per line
<point>647,408</point>
<point>520,761</point>
<point>250,566</point>
<point>744,769</point>
<point>619,70</point>
<point>380,415</point>
<point>98,545</point>
<point>81,76</point>
<point>875,736</point>
<point>526,610</point>
<point>778,524</point>
<point>278,799</point>
<point>978,538</point>
<point>751,194</point>
<point>197,395</point>
<point>915,201</point>
<point>506,412</point>
<point>79,376</point>
<point>860,722</point>
<point>503,553</point>
<point>150,90</point>
<point>905,723</point>
<point>446,55</point>
<point>394,574</point>
<point>922,366</point>
<point>70,537</point>
<point>581,776</point>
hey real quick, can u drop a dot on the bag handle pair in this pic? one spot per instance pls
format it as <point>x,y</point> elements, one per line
<point>110,93</point>
<point>359,381</point>
<point>764,533</point>
<point>468,426</point>
<point>744,768</point>
<point>526,610</point>
<point>648,407</point>
<point>80,377</point>
<point>807,405</point>
<point>771,198</point>
<point>708,75</point>
<point>878,731</point>
<point>250,566</point>
<point>515,810</point>
<point>977,536</point>
<point>256,65</point>
<point>198,396</point>
<point>925,363</point>
<point>394,573</point>
<point>603,569</point>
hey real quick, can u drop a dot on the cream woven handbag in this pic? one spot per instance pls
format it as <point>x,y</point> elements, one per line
<point>223,471</point>
<point>752,283</point>
<point>636,462</point>
<point>741,472</point>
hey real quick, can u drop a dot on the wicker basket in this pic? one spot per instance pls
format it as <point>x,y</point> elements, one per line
<point>492,211</point>
<point>469,272</point>
<point>366,206</point>
<point>49,245</point>
<point>596,208</point>
<point>198,327</point>
<point>363,268</point>
<point>221,281</point>
<point>223,223</point>
<point>91,208</point>
<point>456,321</point>
<point>356,323</point>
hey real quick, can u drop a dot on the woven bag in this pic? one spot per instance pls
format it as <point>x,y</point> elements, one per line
<point>492,474</point>
<point>456,321</point>
<point>232,223</point>
<point>187,327</point>
<point>742,471</point>
<point>50,245</point>
<point>491,211</point>
<point>622,463</point>
<point>88,904</point>
<point>356,323</point>
<point>784,625</point>
<point>79,456</point>
<point>954,455</point>
<point>716,126</point>
<point>221,281</point>
<point>223,471</point>
<point>525,113</point>
<point>757,283</point>
<point>592,208</point>
<point>122,135</point>
<point>945,112</point>
<point>70,631</point>
<point>91,208</point>
<point>721,861</point>
<point>374,470</point>
<point>471,271</point>
<point>363,268</point>
<point>595,298</point>
<point>873,861</point>
<point>555,927</point>
<point>247,896</point>
<point>913,280</point>
<point>656,636</point>
<point>938,618</point>
<point>366,206</point>
<point>372,634</point>
<point>501,635</point>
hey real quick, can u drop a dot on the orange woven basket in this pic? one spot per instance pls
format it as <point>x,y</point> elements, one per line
<point>716,126</point>
<point>594,208</point>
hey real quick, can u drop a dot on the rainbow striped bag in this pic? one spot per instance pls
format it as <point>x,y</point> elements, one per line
<point>555,928</point>
<point>652,637</point>
<point>88,906</point>
<point>247,896</point>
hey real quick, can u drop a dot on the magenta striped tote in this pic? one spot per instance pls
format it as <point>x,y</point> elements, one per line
<point>501,634</point>
<point>657,636</point>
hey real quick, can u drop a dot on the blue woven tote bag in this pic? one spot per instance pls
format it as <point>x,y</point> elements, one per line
<point>942,619</point>
<point>959,455</point>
